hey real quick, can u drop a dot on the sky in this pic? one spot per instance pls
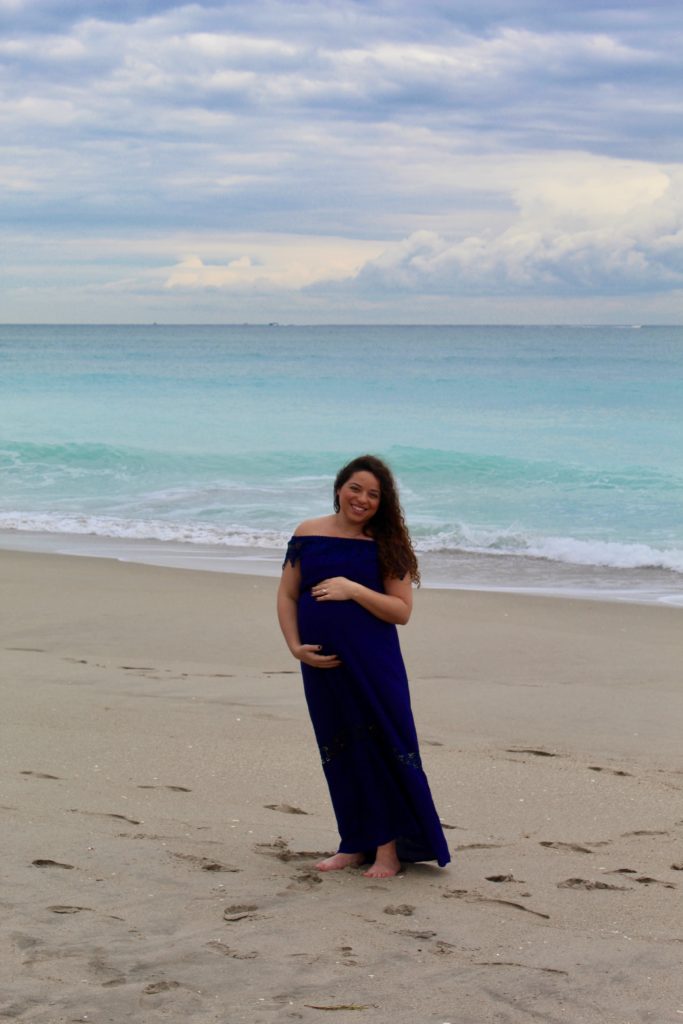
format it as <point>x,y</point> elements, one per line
<point>331,161</point>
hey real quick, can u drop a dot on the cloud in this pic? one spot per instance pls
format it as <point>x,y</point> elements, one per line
<point>14,178</point>
<point>287,263</point>
<point>584,225</point>
<point>120,72</point>
<point>38,110</point>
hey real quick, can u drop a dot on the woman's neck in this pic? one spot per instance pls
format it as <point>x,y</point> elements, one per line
<point>351,530</point>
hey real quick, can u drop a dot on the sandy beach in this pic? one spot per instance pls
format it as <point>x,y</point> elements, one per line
<point>163,804</point>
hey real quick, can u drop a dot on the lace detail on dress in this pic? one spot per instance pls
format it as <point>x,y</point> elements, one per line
<point>328,751</point>
<point>343,740</point>
<point>293,553</point>
<point>412,759</point>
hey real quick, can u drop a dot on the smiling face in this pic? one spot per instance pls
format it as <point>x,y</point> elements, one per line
<point>359,498</point>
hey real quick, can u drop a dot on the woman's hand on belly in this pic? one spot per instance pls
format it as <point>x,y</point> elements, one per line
<point>310,655</point>
<point>393,606</point>
<point>338,588</point>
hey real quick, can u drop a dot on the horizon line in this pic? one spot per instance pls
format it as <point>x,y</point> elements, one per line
<point>276,324</point>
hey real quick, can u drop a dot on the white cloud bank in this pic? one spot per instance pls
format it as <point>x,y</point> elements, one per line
<point>584,225</point>
<point>288,264</point>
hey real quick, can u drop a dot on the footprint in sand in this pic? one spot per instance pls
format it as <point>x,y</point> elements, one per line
<point>234,954</point>
<point>105,814</point>
<point>307,878</point>
<point>503,878</point>
<point>610,771</point>
<point>536,751</point>
<point>514,963</point>
<point>280,849</point>
<point>40,775</point>
<point>121,817</point>
<point>46,863</point>
<point>284,808</point>
<point>139,835</point>
<point>174,789</point>
<point>646,880</point>
<point>583,883</point>
<point>443,948</point>
<point>204,862</point>
<point>643,832</point>
<point>478,846</point>
<point>348,957</point>
<point>574,847</point>
<point>160,986</point>
<point>404,909</point>
<point>61,909</point>
<point>342,1006</point>
<point>240,912</point>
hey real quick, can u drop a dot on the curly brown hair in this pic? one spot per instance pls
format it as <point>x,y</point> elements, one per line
<point>388,527</point>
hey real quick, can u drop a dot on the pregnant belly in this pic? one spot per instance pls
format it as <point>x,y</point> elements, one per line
<point>337,625</point>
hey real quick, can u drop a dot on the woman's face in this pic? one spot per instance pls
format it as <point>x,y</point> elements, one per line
<point>359,497</point>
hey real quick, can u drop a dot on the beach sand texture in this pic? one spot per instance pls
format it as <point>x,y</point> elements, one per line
<point>163,805</point>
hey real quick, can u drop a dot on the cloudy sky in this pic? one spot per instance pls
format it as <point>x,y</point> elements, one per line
<point>320,161</point>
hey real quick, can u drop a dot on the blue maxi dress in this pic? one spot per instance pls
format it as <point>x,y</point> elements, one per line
<point>361,712</point>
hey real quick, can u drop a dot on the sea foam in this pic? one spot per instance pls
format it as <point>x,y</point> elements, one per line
<point>472,540</point>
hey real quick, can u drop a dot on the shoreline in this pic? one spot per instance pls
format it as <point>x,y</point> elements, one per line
<point>163,804</point>
<point>463,571</point>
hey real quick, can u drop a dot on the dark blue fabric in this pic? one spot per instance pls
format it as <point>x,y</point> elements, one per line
<point>361,712</point>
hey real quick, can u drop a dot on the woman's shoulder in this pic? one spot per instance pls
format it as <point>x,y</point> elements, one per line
<point>320,527</point>
<point>306,534</point>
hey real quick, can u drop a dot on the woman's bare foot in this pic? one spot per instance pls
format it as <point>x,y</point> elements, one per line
<point>340,861</point>
<point>386,863</point>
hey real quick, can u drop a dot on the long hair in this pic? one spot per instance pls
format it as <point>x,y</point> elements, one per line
<point>387,526</point>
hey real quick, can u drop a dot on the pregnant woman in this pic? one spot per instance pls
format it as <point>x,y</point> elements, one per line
<point>346,584</point>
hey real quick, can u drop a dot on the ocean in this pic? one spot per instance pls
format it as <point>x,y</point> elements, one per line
<point>541,459</point>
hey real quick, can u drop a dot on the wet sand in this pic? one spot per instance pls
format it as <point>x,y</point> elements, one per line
<point>163,805</point>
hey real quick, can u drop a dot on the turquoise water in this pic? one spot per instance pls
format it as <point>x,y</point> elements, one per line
<point>548,447</point>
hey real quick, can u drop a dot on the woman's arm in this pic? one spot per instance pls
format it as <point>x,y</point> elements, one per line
<point>287,599</point>
<point>394,605</point>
